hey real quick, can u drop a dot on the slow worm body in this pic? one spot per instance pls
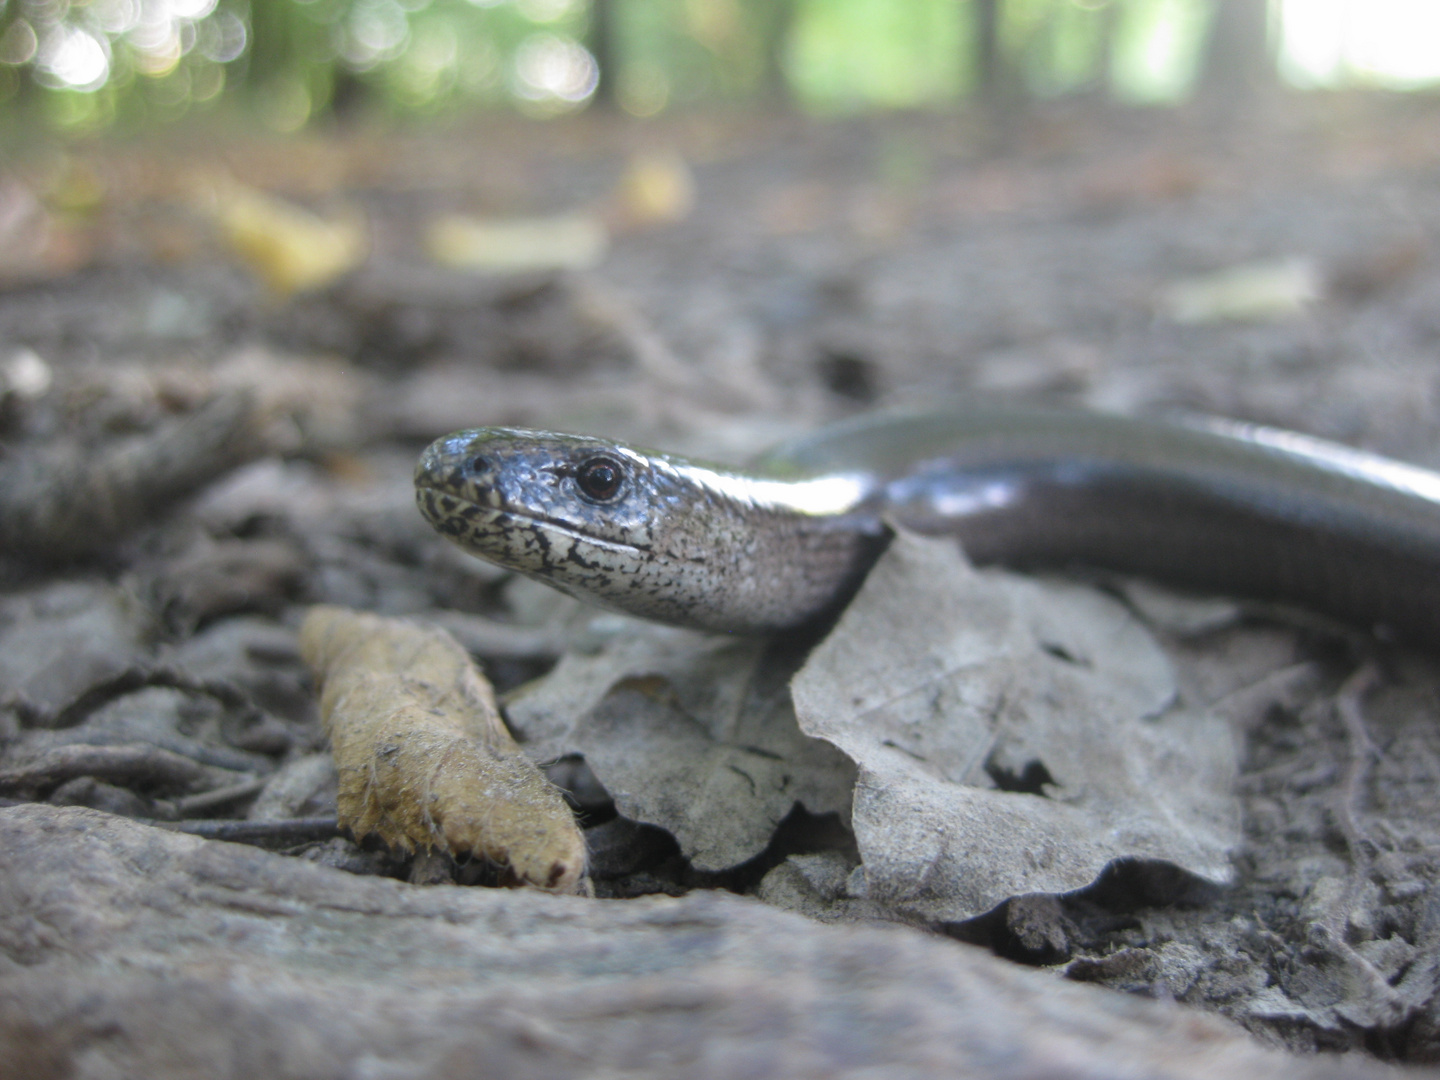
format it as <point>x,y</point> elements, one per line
<point>1210,505</point>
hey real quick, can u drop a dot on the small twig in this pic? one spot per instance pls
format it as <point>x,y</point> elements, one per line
<point>209,800</point>
<point>131,765</point>
<point>287,832</point>
<point>136,677</point>
<point>651,353</point>
<point>1248,705</point>
<point>1361,753</point>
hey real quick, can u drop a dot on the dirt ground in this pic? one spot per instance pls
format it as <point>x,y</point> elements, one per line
<point>195,452</point>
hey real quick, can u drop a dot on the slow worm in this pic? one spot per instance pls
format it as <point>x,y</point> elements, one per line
<point>1211,505</point>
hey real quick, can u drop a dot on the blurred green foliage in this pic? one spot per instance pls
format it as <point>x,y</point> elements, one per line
<point>866,53</point>
<point>85,64</point>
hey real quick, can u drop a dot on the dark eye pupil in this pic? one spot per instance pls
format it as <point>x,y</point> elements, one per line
<point>599,478</point>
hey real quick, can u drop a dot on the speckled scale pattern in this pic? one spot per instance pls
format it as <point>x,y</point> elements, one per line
<point>679,542</point>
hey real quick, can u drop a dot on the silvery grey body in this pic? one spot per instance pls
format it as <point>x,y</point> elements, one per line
<point>1212,505</point>
<point>681,543</point>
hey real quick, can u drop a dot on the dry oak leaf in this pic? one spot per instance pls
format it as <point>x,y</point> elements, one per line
<point>423,756</point>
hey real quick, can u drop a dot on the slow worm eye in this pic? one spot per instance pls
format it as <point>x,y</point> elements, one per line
<point>479,464</point>
<point>599,478</point>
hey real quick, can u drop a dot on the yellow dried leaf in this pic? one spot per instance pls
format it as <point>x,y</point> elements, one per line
<point>286,246</point>
<point>518,245</point>
<point>1254,292</point>
<point>657,188</point>
<point>423,756</point>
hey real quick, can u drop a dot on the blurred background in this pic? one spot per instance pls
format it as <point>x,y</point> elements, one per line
<point>708,223</point>
<point>83,65</point>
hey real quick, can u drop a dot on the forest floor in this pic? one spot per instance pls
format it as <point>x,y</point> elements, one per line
<point>211,400</point>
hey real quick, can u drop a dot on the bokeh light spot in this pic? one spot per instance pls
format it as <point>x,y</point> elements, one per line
<point>74,59</point>
<point>19,43</point>
<point>546,11</point>
<point>222,37</point>
<point>554,71</point>
<point>643,90</point>
<point>374,31</point>
<point>285,104</point>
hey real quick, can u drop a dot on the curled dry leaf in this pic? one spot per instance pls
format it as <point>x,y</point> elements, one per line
<point>60,640</point>
<point>287,246</point>
<point>423,756</point>
<point>70,500</point>
<point>692,732</point>
<point>522,245</point>
<point>657,188</point>
<point>1253,292</point>
<point>1012,737</point>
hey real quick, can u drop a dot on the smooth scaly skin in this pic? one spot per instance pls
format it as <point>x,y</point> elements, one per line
<point>1211,505</point>
<point>681,543</point>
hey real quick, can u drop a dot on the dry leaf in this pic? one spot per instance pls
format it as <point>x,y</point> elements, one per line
<point>34,244</point>
<point>66,499</point>
<point>423,756</point>
<point>1254,292</point>
<point>289,248</point>
<point>1013,737</point>
<point>692,732</point>
<point>658,188</point>
<point>304,403</point>
<point>518,245</point>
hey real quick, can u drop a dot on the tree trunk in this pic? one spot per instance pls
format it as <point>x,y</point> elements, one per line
<point>989,74</point>
<point>775,83</point>
<point>600,40</point>
<point>1237,62</point>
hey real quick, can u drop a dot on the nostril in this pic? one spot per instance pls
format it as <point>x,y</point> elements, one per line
<point>428,465</point>
<point>479,464</point>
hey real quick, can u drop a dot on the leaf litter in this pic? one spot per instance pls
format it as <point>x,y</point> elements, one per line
<point>691,732</point>
<point>691,331</point>
<point>997,736</point>
<point>1012,737</point>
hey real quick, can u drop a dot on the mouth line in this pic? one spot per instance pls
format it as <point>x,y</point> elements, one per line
<point>537,521</point>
